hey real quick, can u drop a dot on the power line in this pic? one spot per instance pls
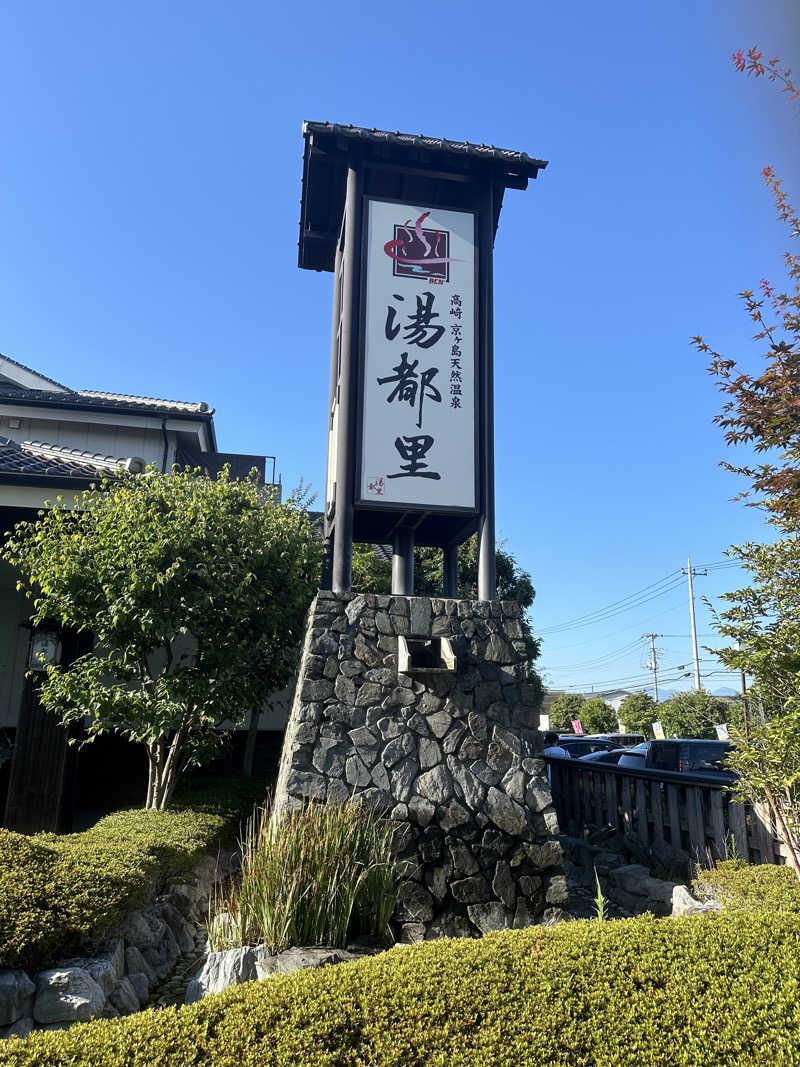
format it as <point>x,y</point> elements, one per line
<point>635,600</point>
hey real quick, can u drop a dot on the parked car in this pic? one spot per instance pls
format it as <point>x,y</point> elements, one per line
<point>623,757</point>
<point>624,740</point>
<point>574,746</point>
<point>691,756</point>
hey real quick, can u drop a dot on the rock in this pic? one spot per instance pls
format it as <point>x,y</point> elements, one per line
<point>553,916</point>
<point>356,774</point>
<point>453,815</point>
<point>530,884</point>
<point>439,723</point>
<point>503,884</point>
<point>397,749</point>
<point>498,757</point>
<point>464,863</point>
<point>470,786</point>
<point>435,785</point>
<point>430,844</point>
<point>506,813</point>
<point>524,914</point>
<point>328,757</point>
<point>366,743</point>
<point>474,890</point>
<point>497,651</point>
<point>67,995</point>
<point>21,1028</point>
<point>355,607</point>
<point>124,997</point>
<point>488,917</point>
<point>140,930</point>
<point>141,986</point>
<point>436,881</point>
<point>414,903</point>
<point>295,959</point>
<point>135,963</point>
<point>420,811</point>
<point>307,784</point>
<point>420,624</point>
<point>403,777</point>
<point>16,996</point>
<point>380,776</point>
<point>556,890</point>
<point>221,970</point>
<point>514,785</point>
<point>411,933</point>
<point>369,694</point>
<point>683,903</point>
<point>449,925</point>
<point>484,773</point>
<point>429,753</point>
<point>345,689</point>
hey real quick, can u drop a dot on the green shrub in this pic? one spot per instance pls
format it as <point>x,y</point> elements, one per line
<point>736,884</point>
<point>317,876</point>
<point>59,894</point>
<point>716,989</point>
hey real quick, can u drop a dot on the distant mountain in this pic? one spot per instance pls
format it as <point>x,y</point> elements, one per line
<point>725,692</point>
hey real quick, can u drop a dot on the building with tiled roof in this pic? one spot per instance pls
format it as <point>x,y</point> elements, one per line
<point>58,441</point>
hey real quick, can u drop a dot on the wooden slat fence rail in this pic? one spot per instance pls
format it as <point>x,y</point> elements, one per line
<point>696,815</point>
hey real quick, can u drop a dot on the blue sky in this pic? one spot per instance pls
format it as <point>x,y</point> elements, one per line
<point>149,189</point>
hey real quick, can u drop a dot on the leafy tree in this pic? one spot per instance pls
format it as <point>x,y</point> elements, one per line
<point>564,709</point>
<point>638,712</point>
<point>597,717</point>
<point>195,590</point>
<point>768,766</point>
<point>694,714</point>
<point>763,411</point>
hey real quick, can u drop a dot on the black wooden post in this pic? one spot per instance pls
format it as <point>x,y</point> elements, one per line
<point>403,562</point>
<point>348,374</point>
<point>326,581</point>
<point>487,584</point>
<point>450,570</point>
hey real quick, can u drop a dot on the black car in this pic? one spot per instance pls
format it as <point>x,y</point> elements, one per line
<point>693,756</point>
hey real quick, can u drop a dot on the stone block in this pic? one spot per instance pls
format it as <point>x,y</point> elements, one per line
<point>17,992</point>
<point>490,916</point>
<point>141,986</point>
<point>507,813</point>
<point>123,997</point>
<point>435,785</point>
<point>67,995</point>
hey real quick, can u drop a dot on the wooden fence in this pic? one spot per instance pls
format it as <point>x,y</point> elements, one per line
<point>698,816</point>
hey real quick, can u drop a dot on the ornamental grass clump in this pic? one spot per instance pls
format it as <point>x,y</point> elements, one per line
<point>320,875</point>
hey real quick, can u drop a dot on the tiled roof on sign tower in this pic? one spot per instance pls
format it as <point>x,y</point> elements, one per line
<point>413,167</point>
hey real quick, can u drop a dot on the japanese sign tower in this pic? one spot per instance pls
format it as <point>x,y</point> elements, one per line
<point>407,225</point>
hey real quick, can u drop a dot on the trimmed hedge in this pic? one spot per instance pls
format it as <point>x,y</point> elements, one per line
<point>715,989</point>
<point>762,887</point>
<point>59,894</point>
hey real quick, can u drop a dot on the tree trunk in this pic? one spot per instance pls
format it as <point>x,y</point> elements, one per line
<point>785,834</point>
<point>250,746</point>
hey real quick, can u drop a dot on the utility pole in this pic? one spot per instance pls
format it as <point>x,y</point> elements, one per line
<point>691,571</point>
<point>653,664</point>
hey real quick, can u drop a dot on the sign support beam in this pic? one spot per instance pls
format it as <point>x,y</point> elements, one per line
<point>487,583</point>
<point>348,377</point>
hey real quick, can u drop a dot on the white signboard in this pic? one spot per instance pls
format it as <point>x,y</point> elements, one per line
<point>722,731</point>
<point>418,416</point>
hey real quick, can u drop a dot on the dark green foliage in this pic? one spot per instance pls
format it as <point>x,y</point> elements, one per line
<point>696,713</point>
<point>60,894</point>
<point>564,709</point>
<point>597,717</point>
<point>756,887</point>
<point>195,591</point>
<point>638,712</point>
<point>702,990</point>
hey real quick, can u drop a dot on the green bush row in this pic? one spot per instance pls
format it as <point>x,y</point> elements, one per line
<point>715,989</point>
<point>736,884</point>
<point>60,894</point>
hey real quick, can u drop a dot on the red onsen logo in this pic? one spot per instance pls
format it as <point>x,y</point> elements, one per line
<point>420,253</point>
